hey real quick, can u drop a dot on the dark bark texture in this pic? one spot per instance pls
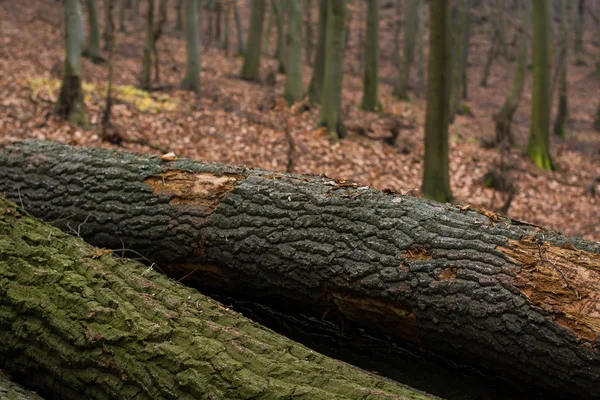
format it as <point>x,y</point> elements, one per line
<point>77,322</point>
<point>466,283</point>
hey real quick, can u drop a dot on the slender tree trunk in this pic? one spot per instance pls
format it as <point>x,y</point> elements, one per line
<point>293,81</point>
<point>458,58</point>
<point>267,35</point>
<point>370,101</point>
<point>80,323</point>
<point>122,15</point>
<point>563,108</point>
<point>579,25</point>
<point>191,81</point>
<point>92,49</point>
<point>158,29</point>
<point>504,118</point>
<point>410,34</point>
<point>421,42</point>
<point>331,101</point>
<point>179,18</point>
<point>436,179</point>
<point>397,29</point>
<point>239,29</point>
<point>218,9</point>
<point>70,104</point>
<point>279,7</point>
<point>251,67</point>
<point>107,33</point>
<point>315,88</point>
<point>466,46</point>
<point>227,26</point>
<point>495,43</point>
<point>539,131</point>
<point>308,32</point>
<point>464,283</point>
<point>111,53</point>
<point>146,78</point>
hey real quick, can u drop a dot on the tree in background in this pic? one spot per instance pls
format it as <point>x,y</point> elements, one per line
<point>279,9</point>
<point>410,33</point>
<point>436,180</point>
<point>111,52</point>
<point>331,101</point>
<point>370,100</point>
<point>421,42</point>
<point>597,120</point>
<point>239,29</point>
<point>179,15</point>
<point>496,40</point>
<point>153,33</point>
<point>458,58</point>
<point>308,31</point>
<point>92,48</point>
<point>539,131</point>
<point>315,88</point>
<point>578,25</point>
<point>504,118</point>
<point>251,67</point>
<point>293,81</point>
<point>191,81</point>
<point>106,35</point>
<point>70,104</point>
<point>561,115</point>
<point>122,7</point>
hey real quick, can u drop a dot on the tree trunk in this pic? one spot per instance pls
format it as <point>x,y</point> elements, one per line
<point>308,32</point>
<point>466,283</point>
<point>539,131</point>
<point>293,81</point>
<point>179,17</point>
<point>80,323</point>
<point>597,119</point>
<point>70,104</point>
<point>504,118</point>
<point>370,100</point>
<point>92,49</point>
<point>107,33</point>
<point>331,100</point>
<point>458,58</point>
<point>146,78</point>
<point>495,43</point>
<point>267,36</point>
<point>578,26</point>
<point>436,179</point>
<point>13,391</point>
<point>563,107</point>
<point>251,67</point>
<point>191,81</point>
<point>315,88</point>
<point>239,29</point>
<point>122,15</point>
<point>227,26</point>
<point>421,42</point>
<point>111,53</point>
<point>410,34</point>
<point>279,9</point>
<point>397,28</point>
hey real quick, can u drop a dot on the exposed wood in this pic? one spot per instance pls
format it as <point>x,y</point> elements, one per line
<point>465,283</point>
<point>77,322</point>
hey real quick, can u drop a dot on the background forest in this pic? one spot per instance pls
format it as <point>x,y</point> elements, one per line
<point>244,93</point>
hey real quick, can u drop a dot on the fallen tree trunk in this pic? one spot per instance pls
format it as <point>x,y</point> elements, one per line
<point>79,323</point>
<point>499,293</point>
<point>12,391</point>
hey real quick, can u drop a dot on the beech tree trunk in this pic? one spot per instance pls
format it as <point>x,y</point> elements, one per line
<point>315,88</point>
<point>370,100</point>
<point>294,88</point>
<point>80,323</point>
<point>410,33</point>
<point>466,283</point>
<point>251,67</point>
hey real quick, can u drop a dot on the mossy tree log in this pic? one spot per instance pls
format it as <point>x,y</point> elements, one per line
<point>479,288</point>
<point>80,323</point>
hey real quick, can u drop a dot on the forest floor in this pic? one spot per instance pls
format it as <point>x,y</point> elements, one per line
<point>238,122</point>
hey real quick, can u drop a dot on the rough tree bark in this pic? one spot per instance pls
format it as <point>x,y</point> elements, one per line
<point>475,287</point>
<point>78,323</point>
